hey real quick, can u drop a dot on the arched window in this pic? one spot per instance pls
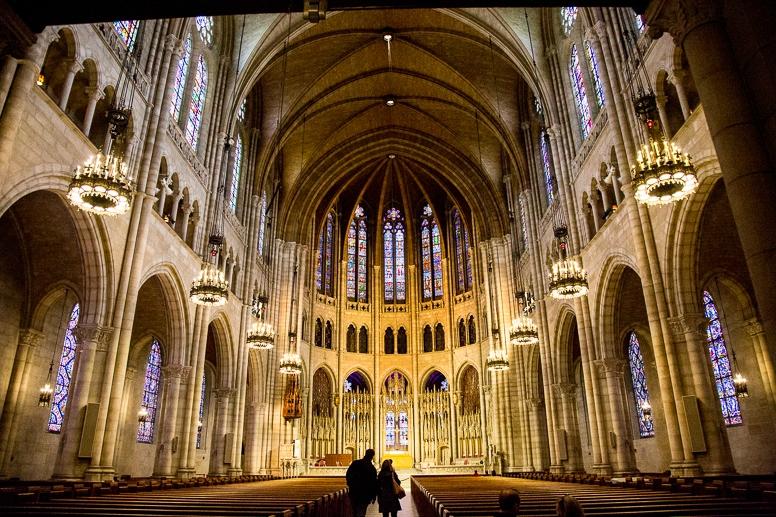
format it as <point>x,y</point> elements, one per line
<point>205,28</point>
<point>428,339</point>
<point>463,267</point>
<point>234,189</point>
<point>431,255</point>
<point>592,64</point>
<point>127,31</point>
<point>640,391</point>
<point>393,256</point>
<point>350,341</point>
<point>439,337</point>
<point>639,23</point>
<point>567,17</point>
<point>318,332</point>
<point>327,341</point>
<point>64,374</point>
<point>472,331</point>
<point>153,374</point>
<point>198,93</point>
<point>521,206</point>
<point>262,223</point>
<point>180,80</point>
<point>388,345</point>
<point>580,94</point>
<point>461,333</point>
<point>325,260</point>
<point>241,110</point>
<point>549,177</point>
<point>357,246</point>
<point>401,341</point>
<point>363,341</point>
<point>201,411</point>
<point>720,363</point>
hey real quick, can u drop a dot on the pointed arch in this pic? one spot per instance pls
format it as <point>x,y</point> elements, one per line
<point>197,107</point>
<point>394,256</point>
<point>463,266</point>
<point>323,273</point>
<point>357,256</point>
<point>151,390</point>
<point>431,255</point>
<point>179,83</point>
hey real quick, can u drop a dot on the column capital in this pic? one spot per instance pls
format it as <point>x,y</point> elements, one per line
<point>600,28</point>
<point>30,337</point>
<point>753,327</point>
<point>131,371</point>
<point>611,365</point>
<point>173,44</point>
<point>565,389</point>
<point>592,35</point>
<point>74,66</point>
<point>92,337</point>
<point>94,93</point>
<point>688,323</point>
<point>224,393</point>
<point>175,371</point>
<point>680,17</point>
<point>535,403</point>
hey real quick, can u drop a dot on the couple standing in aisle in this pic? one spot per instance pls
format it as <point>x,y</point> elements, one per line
<point>365,485</point>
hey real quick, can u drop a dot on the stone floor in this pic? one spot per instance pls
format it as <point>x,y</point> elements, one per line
<point>407,504</point>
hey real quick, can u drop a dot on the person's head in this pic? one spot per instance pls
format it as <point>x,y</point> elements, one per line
<point>569,507</point>
<point>509,500</point>
<point>369,454</point>
<point>386,467</point>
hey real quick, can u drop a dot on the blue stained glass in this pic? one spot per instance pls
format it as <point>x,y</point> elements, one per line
<point>198,94</point>
<point>262,223</point>
<point>523,221</point>
<point>592,63</point>
<point>549,178</point>
<point>404,434</point>
<point>390,426</point>
<point>357,256</point>
<point>319,265</point>
<point>64,375</point>
<point>328,255</point>
<point>460,252</point>
<point>153,375</point>
<point>641,25</point>
<point>393,256</point>
<point>640,391</point>
<point>425,238</point>
<point>127,31</point>
<point>241,110</point>
<point>720,364</point>
<point>567,17</point>
<point>580,95</point>
<point>201,413</point>
<point>205,28</point>
<point>180,80</point>
<point>234,190</point>
<point>431,255</point>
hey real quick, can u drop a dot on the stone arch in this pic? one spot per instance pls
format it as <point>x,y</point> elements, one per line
<point>566,326</point>
<point>323,386</point>
<point>60,56</point>
<point>609,297</point>
<point>363,376</point>
<point>427,376</point>
<point>220,331</point>
<point>666,93</point>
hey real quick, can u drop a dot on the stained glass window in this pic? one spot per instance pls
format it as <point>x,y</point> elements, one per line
<point>205,28</point>
<point>538,106</point>
<point>363,341</point>
<point>580,95</point>
<point>431,255</point>
<point>357,250</point>
<point>262,223</point>
<point>592,64</point>
<point>127,31</point>
<point>64,375</point>
<point>640,24</point>
<point>549,178</point>
<point>390,433</point>
<point>463,266</point>
<point>720,363</point>
<point>234,190</point>
<point>201,412</point>
<point>153,375</point>
<point>523,219</point>
<point>404,429</point>
<point>198,93</point>
<point>323,274</point>
<point>241,110</point>
<point>180,80</point>
<point>567,17</point>
<point>393,256</point>
<point>640,391</point>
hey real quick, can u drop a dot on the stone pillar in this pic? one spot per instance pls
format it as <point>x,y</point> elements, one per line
<point>187,461</point>
<point>764,361</point>
<point>594,198</point>
<point>615,185</point>
<point>660,100</point>
<point>613,371</point>
<point>163,191</point>
<point>677,78</point>
<point>221,424</point>
<point>28,340</point>
<point>537,436</point>
<point>6,78</point>
<point>185,224</point>
<point>172,378</point>
<point>90,339</point>
<point>73,68</point>
<point>95,94</point>
<point>567,393</point>
<point>750,179</point>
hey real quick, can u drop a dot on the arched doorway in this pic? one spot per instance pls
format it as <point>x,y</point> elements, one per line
<point>434,413</point>
<point>356,414</point>
<point>395,418</point>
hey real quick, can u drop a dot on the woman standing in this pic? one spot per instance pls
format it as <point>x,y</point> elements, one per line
<point>386,493</point>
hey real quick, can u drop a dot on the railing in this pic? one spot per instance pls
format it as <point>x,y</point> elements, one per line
<point>112,40</point>
<point>236,225</point>
<point>188,153</point>
<point>589,143</point>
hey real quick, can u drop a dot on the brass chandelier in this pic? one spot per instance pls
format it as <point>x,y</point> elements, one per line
<point>524,331</point>
<point>261,335</point>
<point>210,287</point>
<point>497,360</point>
<point>291,362</point>
<point>568,279</point>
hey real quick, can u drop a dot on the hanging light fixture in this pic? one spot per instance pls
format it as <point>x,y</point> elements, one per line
<point>646,409</point>
<point>498,357</point>
<point>46,392</point>
<point>143,415</point>
<point>568,279</point>
<point>524,331</point>
<point>44,398</point>
<point>261,335</point>
<point>210,287</point>
<point>291,362</point>
<point>739,381</point>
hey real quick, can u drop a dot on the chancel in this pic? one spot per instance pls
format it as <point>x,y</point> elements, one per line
<point>244,245</point>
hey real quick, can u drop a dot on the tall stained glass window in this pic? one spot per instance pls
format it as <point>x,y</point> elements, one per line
<point>393,256</point>
<point>638,21</point>
<point>580,95</point>
<point>592,64</point>
<point>357,256</point>
<point>200,423</point>
<point>720,363</point>
<point>323,273</point>
<point>153,376</point>
<point>205,28</point>
<point>262,223</point>
<point>640,391</point>
<point>463,267</point>
<point>241,110</point>
<point>390,430</point>
<point>404,430</point>
<point>64,375</point>
<point>180,79</point>
<point>234,189</point>
<point>431,255</point>
<point>568,16</point>
<point>127,31</point>
<point>523,221</point>
<point>198,93</point>
<point>549,178</point>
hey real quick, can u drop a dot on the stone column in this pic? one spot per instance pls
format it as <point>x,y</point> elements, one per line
<point>185,223</point>
<point>90,340</point>
<point>28,340</point>
<point>615,185</point>
<point>163,191</point>
<point>172,378</point>
<point>677,78</point>
<point>594,197</point>
<point>698,28</point>
<point>95,94</point>
<point>6,78</point>
<point>613,371</point>
<point>537,436</point>
<point>755,331</point>
<point>187,461</point>
<point>567,393</point>
<point>73,67</point>
<point>660,100</point>
<point>221,424</point>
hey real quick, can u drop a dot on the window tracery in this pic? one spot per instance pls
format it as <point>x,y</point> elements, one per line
<point>592,63</point>
<point>720,363</point>
<point>234,190</point>
<point>580,93</point>
<point>393,256</point>
<point>180,79</point>
<point>357,257</point>
<point>431,255</point>
<point>205,28</point>
<point>153,374</point>
<point>64,374</point>
<point>323,276</point>
<point>127,31</point>
<point>639,385</point>
<point>568,16</point>
<point>549,178</point>
<point>198,93</point>
<point>462,261</point>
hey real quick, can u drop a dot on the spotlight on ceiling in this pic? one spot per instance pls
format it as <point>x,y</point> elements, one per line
<point>391,156</point>
<point>387,37</point>
<point>390,101</point>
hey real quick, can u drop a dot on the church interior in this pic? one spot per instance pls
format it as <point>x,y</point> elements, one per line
<point>519,239</point>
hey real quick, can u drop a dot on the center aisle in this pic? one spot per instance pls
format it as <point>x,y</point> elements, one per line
<point>408,508</point>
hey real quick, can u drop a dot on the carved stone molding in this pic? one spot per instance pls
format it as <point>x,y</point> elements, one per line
<point>611,365</point>
<point>224,393</point>
<point>130,374</point>
<point>30,337</point>
<point>92,337</point>
<point>535,403</point>
<point>176,371</point>
<point>680,17</point>
<point>565,389</point>
<point>690,323</point>
<point>753,327</point>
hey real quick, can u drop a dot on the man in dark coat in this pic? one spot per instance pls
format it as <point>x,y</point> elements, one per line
<point>362,483</point>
